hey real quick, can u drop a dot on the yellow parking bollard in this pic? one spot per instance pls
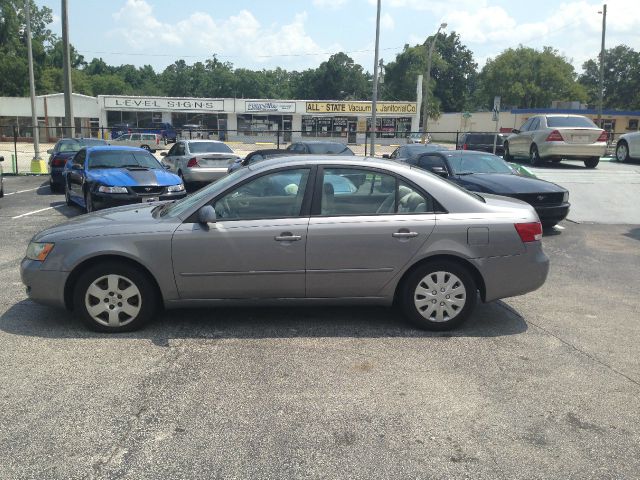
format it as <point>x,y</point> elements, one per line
<point>39,166</point>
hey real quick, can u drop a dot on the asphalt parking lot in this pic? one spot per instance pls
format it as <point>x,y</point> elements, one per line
<point>546,385</point>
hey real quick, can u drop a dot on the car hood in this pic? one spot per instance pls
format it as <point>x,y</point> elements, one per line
<point>505,184</point>
<point>128,219</point>
<point>131,177</point>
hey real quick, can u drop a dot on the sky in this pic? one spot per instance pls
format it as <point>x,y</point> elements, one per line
<point>300,34</point>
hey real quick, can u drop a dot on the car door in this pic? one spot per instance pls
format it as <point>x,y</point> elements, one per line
<point>634,145</point>
<point>256,249</point>
<point>75,176</point>
<point>517,141</point>
<point>181,155</point>
<point>359,239</point>
<point>528,138</point>
<point>170,158</point>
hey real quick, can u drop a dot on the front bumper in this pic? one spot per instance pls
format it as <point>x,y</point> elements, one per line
<point>43,286</point>
<point>108,200</point>
<point>204,174</point>
<point>512,275</point>
<point>552,213</point>
<point>571,150</point>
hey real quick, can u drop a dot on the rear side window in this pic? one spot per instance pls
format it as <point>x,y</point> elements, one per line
<point>579,122</point>
<point>330,148</point>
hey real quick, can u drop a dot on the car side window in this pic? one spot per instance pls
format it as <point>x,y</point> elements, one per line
<point>80,157</point>
<point>172,150</point>
<point>180,149</point>
<point>535,124</point>
<point>526,125</point>
<point>274,195</point>
<point>135,136</point>
<point>410,200</point>
<point>394,154</point>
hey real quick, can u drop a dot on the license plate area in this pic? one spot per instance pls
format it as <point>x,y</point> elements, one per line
<point>580,138</point>
<point>150,199</point>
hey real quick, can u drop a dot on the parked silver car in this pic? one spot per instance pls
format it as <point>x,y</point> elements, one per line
<point>556,137</point>
<point>199,161</point>
<point>628,147</point>
<point>294,230</point>
<point>148,141</point>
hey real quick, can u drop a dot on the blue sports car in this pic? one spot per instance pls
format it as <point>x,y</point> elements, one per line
<point>102,177</point>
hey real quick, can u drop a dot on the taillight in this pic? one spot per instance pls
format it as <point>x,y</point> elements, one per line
<point>604,136</point>
<point>58,162</point>
<point>529,232</point>
<point>193,162</point>
<point>555,137</point>
<point>464,146</point>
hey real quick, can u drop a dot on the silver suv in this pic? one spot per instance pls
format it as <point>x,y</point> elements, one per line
<point>554,137</point>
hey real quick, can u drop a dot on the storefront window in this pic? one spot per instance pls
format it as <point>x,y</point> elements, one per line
<point>250,124</point>
<point>208,121</point>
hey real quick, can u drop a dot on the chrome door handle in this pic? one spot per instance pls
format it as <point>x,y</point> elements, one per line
<point>287,238</point>
<point>404,234</point>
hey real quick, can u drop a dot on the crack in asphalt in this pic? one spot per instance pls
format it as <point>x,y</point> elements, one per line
<point>569,344</point>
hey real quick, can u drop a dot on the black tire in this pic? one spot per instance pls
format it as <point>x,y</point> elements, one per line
<point>88,202</point>
<point>622,151</point>
<point>67,195</point>
<point>409,296</point>
<point>592,162</point>
<point>187,187</point>
<point>145,301</point>
<point>506,155</point>
<point>534,157</point>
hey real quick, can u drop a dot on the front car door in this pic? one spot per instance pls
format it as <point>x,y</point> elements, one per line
<point>75,175</point>
<point>517,141</point>
<point>360,237</point>
<point>256,249</point>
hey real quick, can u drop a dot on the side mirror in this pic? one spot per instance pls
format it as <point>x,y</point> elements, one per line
<point>207,214</point>
<point>75,166</point>
<point>515,130</point>
<point>440,171</point>
<point>163,154</point>
<point>50,151</point>
<point>386,155</point>
<point>166,167</point>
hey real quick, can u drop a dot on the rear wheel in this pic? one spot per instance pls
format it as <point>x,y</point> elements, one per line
<point>507,155</point>
<point>534,157</point>
<point>439,295</point>
<point>591,162</point>
<point>114,297</point>
<point>622,152</point>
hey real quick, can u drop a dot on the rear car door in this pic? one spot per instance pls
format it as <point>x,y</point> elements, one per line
<point>256,249</point>
<point>360,237</point>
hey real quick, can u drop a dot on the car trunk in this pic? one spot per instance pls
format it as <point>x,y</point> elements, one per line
<point>581,136</point>
<point>215,160</point>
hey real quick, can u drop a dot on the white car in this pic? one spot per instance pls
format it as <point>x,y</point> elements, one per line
<point>148,141</point>
<point>555,137</point>
<point>416,137</point>
<point>628,147</point>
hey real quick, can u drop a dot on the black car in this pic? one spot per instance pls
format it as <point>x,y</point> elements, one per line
<point>63,150</point>
<point>257,156</point>
<point>406,151</point>
<point>319,147</point>
<point>486,173</point>
<point>482,142</point>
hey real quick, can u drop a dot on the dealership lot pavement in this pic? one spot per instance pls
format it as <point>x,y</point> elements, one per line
<point>541,386</point>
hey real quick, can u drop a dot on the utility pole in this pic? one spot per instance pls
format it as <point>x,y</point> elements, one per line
<point>425,104</point>
<point>32,87</point>
<point>604,29</point>
<point>66,67</point>
<point>374,98</point>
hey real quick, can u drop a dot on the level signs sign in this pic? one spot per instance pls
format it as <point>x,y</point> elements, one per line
<point>265,106</point>
<point>163,104</point>
<point>361,107</point>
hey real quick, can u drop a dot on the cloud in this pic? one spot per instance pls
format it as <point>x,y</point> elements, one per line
<point>330,4</point>
<point>387,22</point>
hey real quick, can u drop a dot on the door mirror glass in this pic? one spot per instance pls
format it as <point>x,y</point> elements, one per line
<point>76,166</point>
<point>440,171</point>
<point>515,130</point>
<point>163,154</point>
<point>207,214</point>
<point>166,167</point>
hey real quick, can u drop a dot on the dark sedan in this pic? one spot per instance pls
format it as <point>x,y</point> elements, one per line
<point>257,156</point>
<point>319,147</point>
<point>63,150</point>
<point>486,173</point>
<point>410,150</point>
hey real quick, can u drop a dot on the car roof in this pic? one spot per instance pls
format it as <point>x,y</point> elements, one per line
<point>323,142</point>
<point>560,115</point>
<point>101,148</point>
<point>346,160</point>
<point>200,140</point>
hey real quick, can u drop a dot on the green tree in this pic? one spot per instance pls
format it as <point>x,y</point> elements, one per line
<point>621,78</point>
<point>340,78</point>
<point>527,78</point>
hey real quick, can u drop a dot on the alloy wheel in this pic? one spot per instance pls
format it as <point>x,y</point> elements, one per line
<point>622,152</point>
<point>113,300</point>
<point>440,296</point>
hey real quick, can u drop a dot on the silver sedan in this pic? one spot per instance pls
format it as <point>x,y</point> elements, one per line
<point>199,161</point>
<point>294,230</point>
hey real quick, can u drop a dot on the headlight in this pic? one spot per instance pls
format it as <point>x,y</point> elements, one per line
<point>565,197</point>
<point>39,251</point>
<point>105,189</point>
<point>176,188</point>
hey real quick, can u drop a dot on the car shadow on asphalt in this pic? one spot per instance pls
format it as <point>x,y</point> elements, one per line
<point>563,165</point>
<point>493,319</point>
<point>633,233</point>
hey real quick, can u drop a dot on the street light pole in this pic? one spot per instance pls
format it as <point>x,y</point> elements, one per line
<point>374,95</point>
<point>425,99</point>
<point>66,70</point>
<point>32,88</point>
<point>604,29</point>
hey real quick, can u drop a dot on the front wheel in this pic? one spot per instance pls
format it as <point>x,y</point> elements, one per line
<point>507,155</point>
<point>88,202</point>
<point>622,152</point>
<point>592,162</point>
<point>114,297</point>
<point>439,296</point>
<point>67,194</point>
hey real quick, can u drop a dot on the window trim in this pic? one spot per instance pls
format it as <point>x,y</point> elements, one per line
<point>305,206</point>
<point>318,191</point>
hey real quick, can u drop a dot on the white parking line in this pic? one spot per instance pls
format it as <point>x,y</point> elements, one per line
<point>27,190</point>
<point>37,211</point>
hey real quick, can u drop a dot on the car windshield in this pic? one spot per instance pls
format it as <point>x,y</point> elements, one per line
<point>122,159</point>
<point>177,208</point>
<point>478,163</point>
<point>580,122</point>
<point>74,145</point>
<point>330,148</point>
<point>209,147</point>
